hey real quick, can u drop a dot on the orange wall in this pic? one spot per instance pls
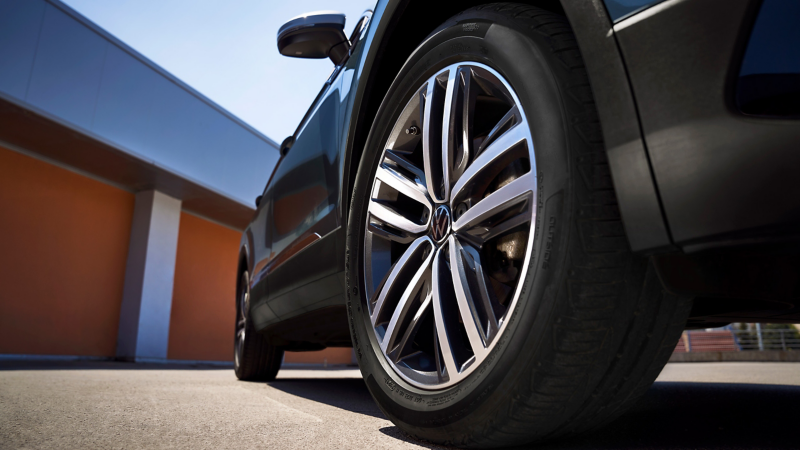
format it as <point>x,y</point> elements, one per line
<point>331,355</point>
<point>203,300</point>
<point>63,247</point>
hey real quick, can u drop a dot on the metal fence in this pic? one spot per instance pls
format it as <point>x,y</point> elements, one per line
<point>767,339</point>
<point>730,340</point>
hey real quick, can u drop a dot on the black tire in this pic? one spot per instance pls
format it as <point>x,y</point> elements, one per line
<point>254,359</point>
<point>593,327</point>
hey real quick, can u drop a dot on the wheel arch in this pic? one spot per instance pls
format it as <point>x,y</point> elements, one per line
<point>637,194</point>
<point>417,19</point>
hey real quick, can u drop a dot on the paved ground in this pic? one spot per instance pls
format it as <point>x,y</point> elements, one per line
<point>119,405</point>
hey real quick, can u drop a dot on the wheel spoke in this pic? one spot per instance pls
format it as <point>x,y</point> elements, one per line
<point>392,178</point>
<point>494,154</point>
<point>429,137</point>
<point>450,115</point>
<point>400,163</point>
<point>436,110</point>
<point>511,118</point>
<point>477,236</point>
<point>379,229</point>
<point>394,278</point>
<point>496,202</point>
<point>437,352</point>
<point>478,292</point>
<point>464,299</point>
<point>405,304</point>
<point>394,219</point>
<point>401,177</point>
<point>447,355</point>
<point>397,348</point>
<point>468,95</point>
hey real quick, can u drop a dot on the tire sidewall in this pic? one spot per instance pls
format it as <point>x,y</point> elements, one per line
<point>517,57</point>
<point>237,355</point>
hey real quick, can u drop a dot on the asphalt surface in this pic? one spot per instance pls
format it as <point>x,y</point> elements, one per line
<point>120,405</point>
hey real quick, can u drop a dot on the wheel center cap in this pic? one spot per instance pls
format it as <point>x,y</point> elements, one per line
<point>440,224</point>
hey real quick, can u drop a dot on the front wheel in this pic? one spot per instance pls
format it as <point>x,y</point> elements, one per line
<point>492,296</point>
<point>254,359</point>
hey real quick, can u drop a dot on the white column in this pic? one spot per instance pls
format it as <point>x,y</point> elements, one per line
<point>147,296</point>
<point>760,338</point>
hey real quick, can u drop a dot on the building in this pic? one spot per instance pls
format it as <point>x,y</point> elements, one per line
<point>123,193</point>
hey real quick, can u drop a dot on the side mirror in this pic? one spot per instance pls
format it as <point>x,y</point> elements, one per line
<point>258,200</point>
<point>315,35</point>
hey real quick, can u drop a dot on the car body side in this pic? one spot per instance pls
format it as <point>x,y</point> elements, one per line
<point>676,146</point>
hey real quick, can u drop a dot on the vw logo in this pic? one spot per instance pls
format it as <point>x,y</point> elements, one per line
<point>440,225</point>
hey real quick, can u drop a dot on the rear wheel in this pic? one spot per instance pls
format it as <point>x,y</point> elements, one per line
<point>492,296</point>
<point>253,358</point>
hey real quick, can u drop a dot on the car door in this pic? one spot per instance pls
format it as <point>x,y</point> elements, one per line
<point>304,195</point>
<point>261,254</point>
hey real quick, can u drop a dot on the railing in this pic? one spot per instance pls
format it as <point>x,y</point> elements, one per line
<point>727,340</point>
<point>768,339</point>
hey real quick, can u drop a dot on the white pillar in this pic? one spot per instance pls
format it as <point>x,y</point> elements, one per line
<point>147,296</point>
<point>760,338</point>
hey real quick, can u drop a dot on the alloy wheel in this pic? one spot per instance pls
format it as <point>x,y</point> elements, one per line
<point>449,225</point>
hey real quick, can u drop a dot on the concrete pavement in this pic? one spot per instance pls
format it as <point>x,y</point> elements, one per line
<point>120,405</point>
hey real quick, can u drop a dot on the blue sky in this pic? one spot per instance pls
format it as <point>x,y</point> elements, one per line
<point>227,50</point>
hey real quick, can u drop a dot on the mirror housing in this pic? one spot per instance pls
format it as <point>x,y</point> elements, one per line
<point>315,35</point>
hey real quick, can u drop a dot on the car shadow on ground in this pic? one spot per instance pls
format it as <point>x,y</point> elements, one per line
<point>671,415</point>
<point>675,415</point>
<point>346,393</point>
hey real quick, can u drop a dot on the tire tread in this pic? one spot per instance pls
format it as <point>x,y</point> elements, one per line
<point>259,361</point>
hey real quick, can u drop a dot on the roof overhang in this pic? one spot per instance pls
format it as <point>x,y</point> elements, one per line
<point>40,133</point>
